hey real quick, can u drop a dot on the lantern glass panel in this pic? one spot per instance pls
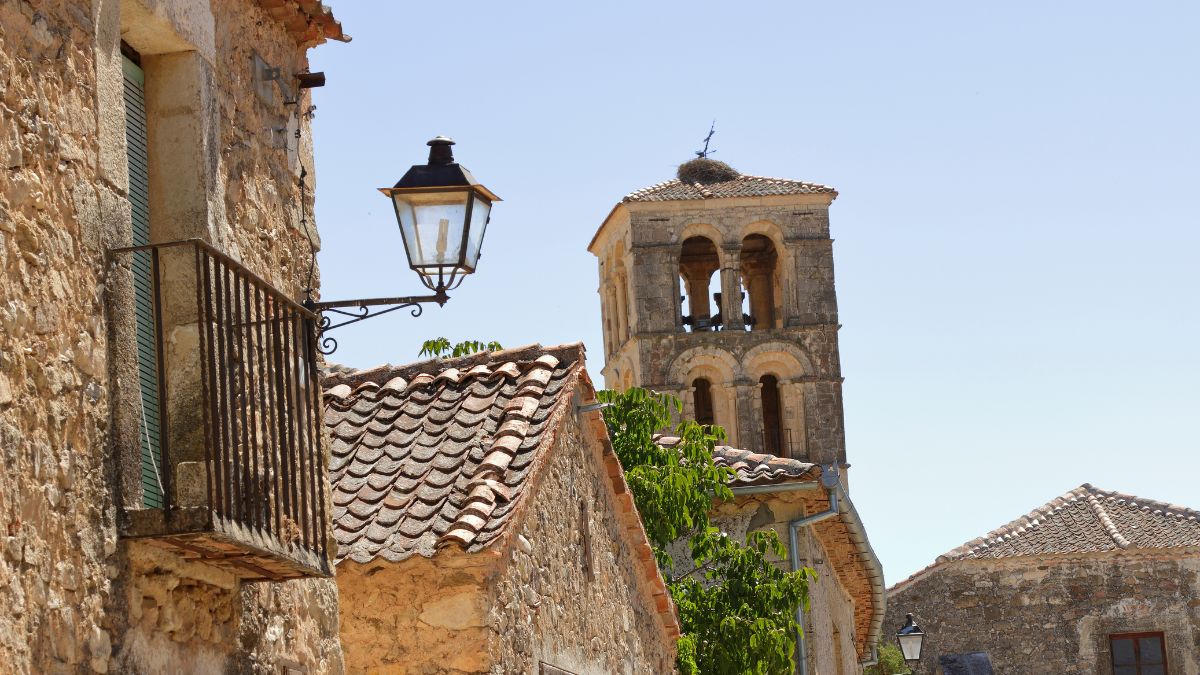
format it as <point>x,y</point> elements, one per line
<point>480,211</point>
<point>432,224</point>
<point>910,645</point>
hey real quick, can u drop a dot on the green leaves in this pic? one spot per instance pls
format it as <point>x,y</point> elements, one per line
<point>736,608</point>
<point>891,661</point>
<point>441,346</point>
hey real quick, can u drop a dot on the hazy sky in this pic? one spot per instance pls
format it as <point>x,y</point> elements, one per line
<point>1016,233</point>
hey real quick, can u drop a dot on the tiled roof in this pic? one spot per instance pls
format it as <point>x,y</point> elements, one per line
<point>438,453</point>
<point>309,22</point>
<point>1088,520</point>
<point>742,186</point>
<point>754,468</point>
<point>757,469</point>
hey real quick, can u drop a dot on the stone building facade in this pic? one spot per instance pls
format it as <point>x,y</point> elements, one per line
<point>1093,582</point>
<point>485,524</point>
<point>718,287</point>
<point>155,119</point>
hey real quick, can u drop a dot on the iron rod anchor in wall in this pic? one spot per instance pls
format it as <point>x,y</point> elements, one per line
<point>361,310</point>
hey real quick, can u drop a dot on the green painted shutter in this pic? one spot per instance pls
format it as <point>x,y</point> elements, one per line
<point>143,285</point>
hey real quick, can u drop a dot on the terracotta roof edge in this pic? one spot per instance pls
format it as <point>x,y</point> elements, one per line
<point>872,566</point>
<point>568,353</point>
<point>669,618</point>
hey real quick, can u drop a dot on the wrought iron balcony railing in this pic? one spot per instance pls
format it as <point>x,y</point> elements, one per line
<point>238,475</point>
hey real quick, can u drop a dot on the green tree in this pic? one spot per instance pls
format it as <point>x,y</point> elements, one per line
<point>737,610</point>
<point>441,346</point>
<point>891,661</point>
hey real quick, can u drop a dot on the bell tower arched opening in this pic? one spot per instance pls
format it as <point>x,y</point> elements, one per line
<point>761,280</point>
<point>702,401</point>
<point>772,412</point>
<point>698,264</point>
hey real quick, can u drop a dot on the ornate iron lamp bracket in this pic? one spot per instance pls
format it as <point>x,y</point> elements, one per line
<point>362,310</point>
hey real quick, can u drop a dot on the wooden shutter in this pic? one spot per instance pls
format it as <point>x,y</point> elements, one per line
<point>143,285</point>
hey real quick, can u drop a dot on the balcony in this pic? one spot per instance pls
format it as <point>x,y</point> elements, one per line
<point>232,467</point>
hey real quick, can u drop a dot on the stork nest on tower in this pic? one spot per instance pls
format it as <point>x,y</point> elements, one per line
<point>705,171</point>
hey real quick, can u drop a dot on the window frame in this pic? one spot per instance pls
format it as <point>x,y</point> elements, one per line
<point>1162,641</point>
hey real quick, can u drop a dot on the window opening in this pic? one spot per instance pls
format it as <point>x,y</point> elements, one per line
<point>760,279</point>
<point>702,398</point>
<point>772,411</point>
<point>700,284</point>
<point>1138,654</point>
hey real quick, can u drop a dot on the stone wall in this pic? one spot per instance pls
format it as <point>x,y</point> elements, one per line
<point>419,616</point>
<point>78,599</point>
<point>1053,614</point>
<point>571,592</point>
<point>55,496</point>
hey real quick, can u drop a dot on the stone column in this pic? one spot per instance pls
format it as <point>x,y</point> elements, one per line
<point>186,200</point>
<point>749,429</point>
<point>755,417</point>
<point>724,410</point>
<point>688,396</point>
<point>696,277</point>
<point>731,291</point>
<point>760,286</point>
<point>794,426</point>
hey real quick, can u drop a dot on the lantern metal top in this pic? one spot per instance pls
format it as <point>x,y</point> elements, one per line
<point>909,626</point>
<point>441,172</point>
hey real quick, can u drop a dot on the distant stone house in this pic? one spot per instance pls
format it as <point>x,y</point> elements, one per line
<point>484,523</point>
<point>1093,582</point>
<point>159,124</point>
<point>844,622</point>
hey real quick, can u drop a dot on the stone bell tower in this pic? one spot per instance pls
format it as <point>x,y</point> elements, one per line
<point>718,287</point>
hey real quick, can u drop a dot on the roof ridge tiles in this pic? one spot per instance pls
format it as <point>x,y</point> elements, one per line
<point>1106,520</point>
<point>513,429</point>
<point>745,185</point>
<point>1099,503</point>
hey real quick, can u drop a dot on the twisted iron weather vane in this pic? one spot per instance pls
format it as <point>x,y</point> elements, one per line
<point>702,154</point>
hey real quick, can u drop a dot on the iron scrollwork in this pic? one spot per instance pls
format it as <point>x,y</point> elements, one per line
<point>361,310</point>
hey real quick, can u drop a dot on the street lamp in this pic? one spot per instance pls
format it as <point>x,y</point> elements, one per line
<point>443,213</point>
<point>909,637</point>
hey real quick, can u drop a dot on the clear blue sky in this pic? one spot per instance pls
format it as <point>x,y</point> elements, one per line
<point>1016,236</point>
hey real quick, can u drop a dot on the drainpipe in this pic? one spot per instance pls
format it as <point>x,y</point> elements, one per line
<point>829,480</point>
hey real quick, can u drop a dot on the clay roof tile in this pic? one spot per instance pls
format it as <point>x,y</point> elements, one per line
<point>437,451</point>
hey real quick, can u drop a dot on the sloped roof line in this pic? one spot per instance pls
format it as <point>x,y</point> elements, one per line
<point>1101,504</point>
<point>752,468</point>
<point>744,185</point>
<point>309,22</point>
